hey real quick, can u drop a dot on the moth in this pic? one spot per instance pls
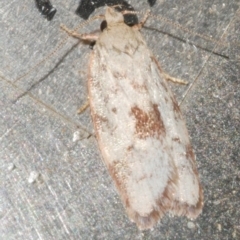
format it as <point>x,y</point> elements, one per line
<point>139,127</point>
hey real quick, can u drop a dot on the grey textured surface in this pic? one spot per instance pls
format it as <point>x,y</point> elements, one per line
<point>53,184</point>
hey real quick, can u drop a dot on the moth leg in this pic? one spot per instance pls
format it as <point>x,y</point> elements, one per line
<point>85,37</point>
<point>173,79</point>
<point>83,107</point>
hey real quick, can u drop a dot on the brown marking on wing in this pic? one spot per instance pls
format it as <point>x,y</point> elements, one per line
<point>106,99</point>
<point>143,177</point>
<point>163,83</point>
<point>118,170</point>
<point>189,152</point>
<point>130,148</point>
<point>164,86</point>
<point>119,75</point>
<point>130,48</point>
<point>145,222</point>
<point>99,120</point>
<point>176,139</point>
<point>148,124</point>
<point>184,209</point>
<point>176,108</point>
<point>139,87</point>
<point>191,157</point>
<point>157,63</point>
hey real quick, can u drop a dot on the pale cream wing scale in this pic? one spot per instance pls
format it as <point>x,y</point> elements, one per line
<point>139,128</point>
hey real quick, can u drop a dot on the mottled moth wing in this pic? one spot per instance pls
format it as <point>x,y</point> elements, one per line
<point>140,129</point>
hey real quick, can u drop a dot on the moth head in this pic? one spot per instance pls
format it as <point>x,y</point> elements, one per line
<point>112,16</point>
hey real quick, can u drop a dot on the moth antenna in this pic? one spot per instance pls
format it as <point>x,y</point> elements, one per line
<point>133,12</point>
<point>60,45</point>
<point>177,25</point>
<point>145,17</point>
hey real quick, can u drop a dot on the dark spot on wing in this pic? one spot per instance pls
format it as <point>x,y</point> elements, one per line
<point>130,148</point>
<point>176,139</point>
<point>118,75</point>
<point>104,67</point>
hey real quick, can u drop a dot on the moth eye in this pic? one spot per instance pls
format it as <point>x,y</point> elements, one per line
<point>103,25</point>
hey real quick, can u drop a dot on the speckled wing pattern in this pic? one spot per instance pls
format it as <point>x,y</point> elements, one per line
<point>140,129</point>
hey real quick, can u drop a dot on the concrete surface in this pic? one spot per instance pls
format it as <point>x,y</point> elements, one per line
<point>53,184</point>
